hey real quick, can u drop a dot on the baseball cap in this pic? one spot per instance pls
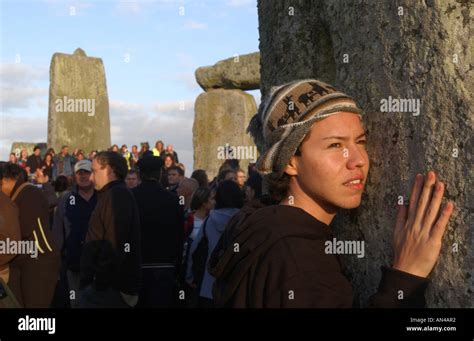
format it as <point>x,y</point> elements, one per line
<point>83,165</point>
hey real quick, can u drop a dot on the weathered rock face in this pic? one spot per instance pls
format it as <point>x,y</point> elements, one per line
<point>78,103</point>
<point>220,121</point>
<point>373,50</point>
<point>240,72</point>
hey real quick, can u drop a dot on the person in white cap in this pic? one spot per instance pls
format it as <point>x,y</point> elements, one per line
<point>70,225</point>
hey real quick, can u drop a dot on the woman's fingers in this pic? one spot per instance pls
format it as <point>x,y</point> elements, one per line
<point>435,203</point>
<point>415,194</point>
<point>425,198</point>
<point>440,226</point>
<point>401,217</point>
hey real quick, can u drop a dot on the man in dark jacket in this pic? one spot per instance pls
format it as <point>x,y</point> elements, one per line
<point>313,154</point>
<point>34,161</point>
<point>162,234</point>
<point>110,261</point>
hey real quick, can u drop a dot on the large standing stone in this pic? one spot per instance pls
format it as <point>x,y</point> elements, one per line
<point>220,121</point>
<point>405,49</point>
<point>239,72</point>
<point>78,103</point>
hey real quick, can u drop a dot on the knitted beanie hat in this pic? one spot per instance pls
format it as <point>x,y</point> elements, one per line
<point>287,115</point>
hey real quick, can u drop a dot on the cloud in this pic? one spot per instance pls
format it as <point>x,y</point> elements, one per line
<point>25,129</point>
<point>16,98</point>
<point>194,25</point>
<point>189,80</point>
<point>171,122</point>
<point>20,84</point>
<point>21,74</point>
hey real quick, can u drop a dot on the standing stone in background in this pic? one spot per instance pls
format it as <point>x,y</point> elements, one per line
<point>78,103</point>
<point>239,72</point>
<point>29,146</point>
<point>374,50</point>
<point>221,117</point>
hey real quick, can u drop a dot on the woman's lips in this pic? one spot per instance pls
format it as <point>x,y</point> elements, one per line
<point>354,184</point>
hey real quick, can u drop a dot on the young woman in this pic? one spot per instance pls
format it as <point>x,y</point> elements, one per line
<point>315,161</point>
<point>47,166</point>
<point>23,158</point>
<point>168,162</point>
<point>13,158</point>
<point>202,203</point>
<point>229,200</point>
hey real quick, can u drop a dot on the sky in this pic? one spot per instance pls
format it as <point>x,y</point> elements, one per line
<point>150,50</point>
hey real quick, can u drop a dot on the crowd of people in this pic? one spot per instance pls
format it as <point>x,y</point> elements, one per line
<point>116,228</point>
<point>126,228</point>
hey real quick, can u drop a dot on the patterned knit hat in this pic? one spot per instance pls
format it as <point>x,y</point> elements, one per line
<point>287,115</point>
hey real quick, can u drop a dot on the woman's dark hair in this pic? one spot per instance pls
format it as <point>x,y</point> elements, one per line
<point>145,146</point>
<point>278,186</point>
<point>147,153</point>
<point>177,169</point>
<point>200,197</point>
<point>201,177</point>
<point>15,172</point>
<point>170,156</point>
<point>221,176</point>
<point>255,182</point>
<point>61,183</point>
<point>232,165</point>
<point>229,195</point>
<point>116,161</point>
<point>46,157</point>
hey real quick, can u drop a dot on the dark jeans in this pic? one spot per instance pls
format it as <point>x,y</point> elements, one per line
<point>90,297</point>
<point>33,281</point>
<point>159,288</point>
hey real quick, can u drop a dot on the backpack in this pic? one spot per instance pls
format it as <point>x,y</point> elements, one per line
<point>200,257</point>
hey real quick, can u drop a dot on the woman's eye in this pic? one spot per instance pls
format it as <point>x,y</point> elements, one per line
<point>335,145</point>
<point>363,142</point>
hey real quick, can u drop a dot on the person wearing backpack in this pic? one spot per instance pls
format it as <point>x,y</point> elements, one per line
<point>202,203</point>
<point>229,200</point>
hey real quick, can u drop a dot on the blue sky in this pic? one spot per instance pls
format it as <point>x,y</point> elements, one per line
<point>150,51</point>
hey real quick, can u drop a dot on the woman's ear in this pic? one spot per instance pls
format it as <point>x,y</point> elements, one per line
<point>292,166</point>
